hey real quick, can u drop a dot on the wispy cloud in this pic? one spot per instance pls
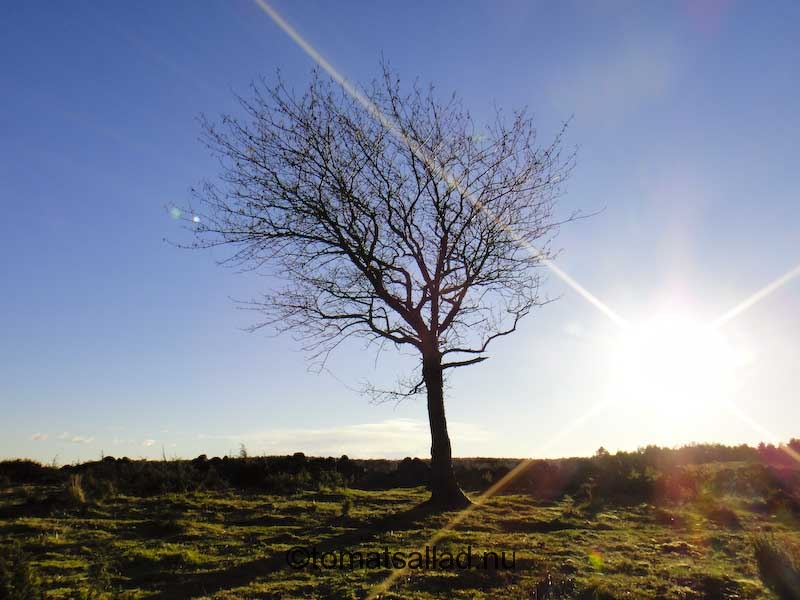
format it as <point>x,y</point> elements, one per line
<point>39,437</point>
<point>75,439</point>
<point>391,438</point>
<point>148,443</point>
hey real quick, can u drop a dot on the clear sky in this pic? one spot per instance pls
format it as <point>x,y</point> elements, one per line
<point>685,115</point>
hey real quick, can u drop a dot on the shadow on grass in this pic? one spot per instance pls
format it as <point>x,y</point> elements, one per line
<point>185,585</point>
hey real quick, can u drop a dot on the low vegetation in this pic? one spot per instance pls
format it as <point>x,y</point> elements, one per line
<point>702,522</point>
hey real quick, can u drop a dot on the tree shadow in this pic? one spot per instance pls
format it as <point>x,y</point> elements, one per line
<point>184,585</point>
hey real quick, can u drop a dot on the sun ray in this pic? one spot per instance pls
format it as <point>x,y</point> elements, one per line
<point>757,297</point>
<point>770,436</point>
<point>383,586</point>
<point>425,157</point>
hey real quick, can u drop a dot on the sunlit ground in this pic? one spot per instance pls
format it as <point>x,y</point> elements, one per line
<point>229,545</point>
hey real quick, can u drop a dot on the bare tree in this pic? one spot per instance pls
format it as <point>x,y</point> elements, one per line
<point>389,216</point>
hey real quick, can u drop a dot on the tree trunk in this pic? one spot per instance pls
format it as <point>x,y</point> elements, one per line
<point>445,492</point>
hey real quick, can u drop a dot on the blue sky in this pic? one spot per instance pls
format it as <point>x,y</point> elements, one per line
<point>114,341</point>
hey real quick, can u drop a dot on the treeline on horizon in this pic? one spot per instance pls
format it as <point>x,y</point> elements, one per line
<point>650,474</point>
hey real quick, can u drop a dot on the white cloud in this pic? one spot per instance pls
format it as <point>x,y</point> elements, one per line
<point>148,443</point>
<point>390,438</point>
<point>75,439</point>
<point>39,437</point>
<point>79,439</point>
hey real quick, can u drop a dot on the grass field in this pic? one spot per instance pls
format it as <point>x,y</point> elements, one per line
<point>230,544</point>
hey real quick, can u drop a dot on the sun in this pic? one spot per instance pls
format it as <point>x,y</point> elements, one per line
<point>673,363</point>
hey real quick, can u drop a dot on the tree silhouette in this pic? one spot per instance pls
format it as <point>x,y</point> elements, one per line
<point>390,216</point>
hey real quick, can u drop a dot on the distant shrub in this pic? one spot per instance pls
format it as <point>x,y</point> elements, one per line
<point>677,485</point>
<point>74,493</point>
<point>288,483</point>
<point>650,475</point>
<point>103,490</point>
<point>245,473</point>
<point>332,480</point>
<point>96,487</point>
<point>27,471</point>
<point>212,480</point>
<point>412,472</point>
<point>779,566</point>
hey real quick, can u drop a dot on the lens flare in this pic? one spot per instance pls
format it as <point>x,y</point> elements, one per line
<point>596,560</point>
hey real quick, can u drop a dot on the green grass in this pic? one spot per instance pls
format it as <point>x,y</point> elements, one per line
<point>228,545</point>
